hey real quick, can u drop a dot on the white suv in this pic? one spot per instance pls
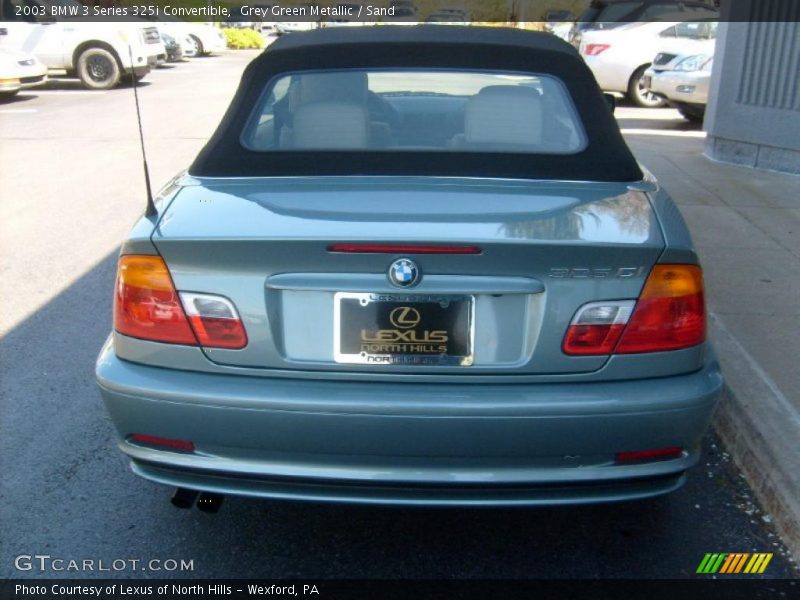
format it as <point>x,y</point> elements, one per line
<point>99,53</point>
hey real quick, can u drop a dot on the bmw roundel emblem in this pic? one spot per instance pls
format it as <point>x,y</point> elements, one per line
<point>404,272</point>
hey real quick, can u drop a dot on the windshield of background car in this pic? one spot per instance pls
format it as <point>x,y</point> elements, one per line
<point>415,110</point>
<point>702,30</point>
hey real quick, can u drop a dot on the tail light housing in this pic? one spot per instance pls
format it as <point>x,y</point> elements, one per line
<point>597,327</point>
<point>668,315</point>
<point>214,320</point>
<point>147,306</point>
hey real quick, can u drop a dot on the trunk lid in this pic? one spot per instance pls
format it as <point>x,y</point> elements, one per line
<point>546,249</point>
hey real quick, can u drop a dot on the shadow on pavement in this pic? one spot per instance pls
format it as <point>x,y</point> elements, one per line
<point>18,99</point>
<point>75,85</point>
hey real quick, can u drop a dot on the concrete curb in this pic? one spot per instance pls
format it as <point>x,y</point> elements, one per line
<point>761,430</point>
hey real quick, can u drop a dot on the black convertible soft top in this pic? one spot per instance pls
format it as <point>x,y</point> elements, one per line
<point>605,158</point>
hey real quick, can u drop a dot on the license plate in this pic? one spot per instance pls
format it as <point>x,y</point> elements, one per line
<point>408,329</point>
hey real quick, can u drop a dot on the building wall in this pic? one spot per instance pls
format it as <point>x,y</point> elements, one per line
<point>753,115</point>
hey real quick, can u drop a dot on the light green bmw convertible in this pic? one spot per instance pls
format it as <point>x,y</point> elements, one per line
<point>413,265</point>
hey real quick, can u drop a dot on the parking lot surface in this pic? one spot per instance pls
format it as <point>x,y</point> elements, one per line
<point>71,186</point>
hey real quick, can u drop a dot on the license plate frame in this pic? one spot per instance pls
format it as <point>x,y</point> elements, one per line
<point>410,329</point>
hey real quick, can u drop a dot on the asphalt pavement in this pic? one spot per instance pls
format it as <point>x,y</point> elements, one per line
<point>71,187</point>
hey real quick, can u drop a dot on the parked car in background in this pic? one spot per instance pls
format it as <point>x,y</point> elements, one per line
<point>99,53</point>
<point>174,49</point>
<point>620,56</point>
<point>608,14</point>
<point>412,266</point>
<point>683,79</point>
<point>196,39</point>
<point>19,71</point>
<point>180,33</point>
<point>207,38</point>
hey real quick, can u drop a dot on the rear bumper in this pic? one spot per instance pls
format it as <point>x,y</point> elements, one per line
<point>479,444</point>
<point>414,494</point>
<point>681,87</point>
<point>23,82</point>
<point>33,81</point>
<point>611,75</point>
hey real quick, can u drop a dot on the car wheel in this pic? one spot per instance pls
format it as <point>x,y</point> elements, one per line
<point>8,95</point>
<point>199,45</point>
<point>695,115</point>
<point>98,69</point>
<point>639,95</point>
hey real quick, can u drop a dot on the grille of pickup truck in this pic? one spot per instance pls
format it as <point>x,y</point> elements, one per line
<point>151,35</point>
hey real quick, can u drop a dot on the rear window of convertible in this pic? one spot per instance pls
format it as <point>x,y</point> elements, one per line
<point>415,110</point>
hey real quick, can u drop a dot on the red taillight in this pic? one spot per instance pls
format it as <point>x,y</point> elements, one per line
<point>644,455</point>
<point>160,442</point>
<point>596,328</point>
<point>214,320</point>
<point>670,313</point>
<point>591,339</point>
<point>402,249</point>
<point>146,304</point>
<point>595,49</point>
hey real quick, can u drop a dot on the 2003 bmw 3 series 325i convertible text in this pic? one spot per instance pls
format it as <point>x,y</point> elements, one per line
<point>413,265</point>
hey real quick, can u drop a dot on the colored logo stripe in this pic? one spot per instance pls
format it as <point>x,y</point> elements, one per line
<point>710,563</point>
<point>734,562</point>
<point>758,563</point>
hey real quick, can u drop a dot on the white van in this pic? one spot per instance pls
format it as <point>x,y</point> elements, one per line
<point>99,53</point>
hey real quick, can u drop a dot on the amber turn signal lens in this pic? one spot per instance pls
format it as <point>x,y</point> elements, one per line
<point>146,305</point>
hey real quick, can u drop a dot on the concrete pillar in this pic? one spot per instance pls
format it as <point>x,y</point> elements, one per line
<point>753,114</point>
